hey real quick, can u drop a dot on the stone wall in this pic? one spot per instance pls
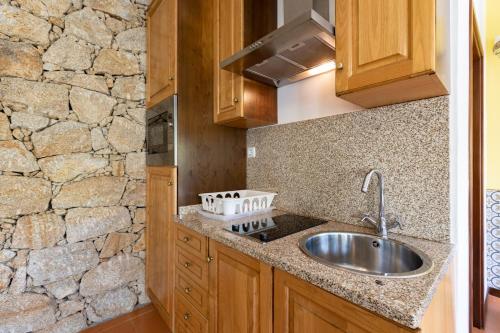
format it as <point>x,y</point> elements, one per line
<point>72,162</point>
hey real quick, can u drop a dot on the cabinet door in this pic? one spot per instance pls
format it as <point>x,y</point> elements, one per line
<point>228,38</point>
<point>240,292</point>
<point>383,40</point>
<point>161,209</point>
<point>301,307</point>
<point>161,50</point>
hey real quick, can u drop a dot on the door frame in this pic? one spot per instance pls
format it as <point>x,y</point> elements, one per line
<point>476,175</point>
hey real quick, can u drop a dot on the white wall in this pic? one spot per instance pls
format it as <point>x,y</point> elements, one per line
<point>311,98</point>
<point>459,158</point>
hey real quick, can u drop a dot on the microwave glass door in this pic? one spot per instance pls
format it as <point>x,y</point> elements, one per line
<point>161,133</point>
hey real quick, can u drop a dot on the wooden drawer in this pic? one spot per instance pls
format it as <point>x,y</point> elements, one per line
<point>191,241</point>
<point>195,294</point>
<point>187,318</point>
<point>192,266</point>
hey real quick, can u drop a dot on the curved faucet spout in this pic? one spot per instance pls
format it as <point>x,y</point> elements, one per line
<point>382,227</point>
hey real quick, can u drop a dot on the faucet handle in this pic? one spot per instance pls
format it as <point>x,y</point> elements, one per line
<point>396,221</point>
<point>368,218</point>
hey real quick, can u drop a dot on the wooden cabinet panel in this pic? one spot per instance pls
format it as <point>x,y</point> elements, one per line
<point>187,318</point>
<point>383,28</point>
<point>192,242</point>
<point>301,307</point>
<point>388,51</point>
<point>228,40</point>
<point>439,316</point>
<point>383,40</point>
<point>240,292</point>
<point>161,208</point>
<point>195,294</point>
<point>162,50</point>
<point>240,102</point>
<point>192,266</point>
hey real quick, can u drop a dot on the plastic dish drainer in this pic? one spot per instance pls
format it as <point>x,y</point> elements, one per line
<point>236,202</point>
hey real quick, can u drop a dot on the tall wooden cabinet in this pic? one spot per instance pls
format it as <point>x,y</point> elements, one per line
<point>180,61</point>
<point>240,291</point>
<point>390,51</point>
<point>161,208</point>
<point>162,58</point>
<point>240,102</point>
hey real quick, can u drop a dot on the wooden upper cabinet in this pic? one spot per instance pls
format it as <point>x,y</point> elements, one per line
<point>229,39</point>
<point>161,53</point>
<point>161,208</point>
<point>387,49</point>
<point>239,102</point>
<point>240,292</point>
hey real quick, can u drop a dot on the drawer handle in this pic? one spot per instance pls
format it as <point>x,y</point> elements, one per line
<point>187,290</point>
<point>187,315</point>
<point>187,264</point>
<point>186,239</point>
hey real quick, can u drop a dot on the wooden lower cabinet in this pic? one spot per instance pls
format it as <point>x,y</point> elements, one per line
<point>241,292</point>
<point>301,307</point>
<point>244,295</point>
<point>160,211</point>
<point>187,317</point>
<point>191,281</point>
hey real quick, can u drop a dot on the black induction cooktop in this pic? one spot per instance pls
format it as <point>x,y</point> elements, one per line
<point>266,229</point>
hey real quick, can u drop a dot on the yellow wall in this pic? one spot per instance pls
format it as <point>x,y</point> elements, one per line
<point>492,102</point>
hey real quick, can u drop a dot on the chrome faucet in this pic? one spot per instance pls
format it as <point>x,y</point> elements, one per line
<point>382,225</point>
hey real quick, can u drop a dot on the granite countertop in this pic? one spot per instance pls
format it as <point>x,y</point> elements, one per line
<point>403,300</point>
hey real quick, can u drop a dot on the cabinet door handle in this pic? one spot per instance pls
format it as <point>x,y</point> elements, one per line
<point>187,290</point>
<point>339,66</point>
<point>171,78</point>
<point>236,100</point>
<point>186,239</point>
<point>187,264</point>
<point>210,259</point>
<point>187,315</point>
<point>170,183</point>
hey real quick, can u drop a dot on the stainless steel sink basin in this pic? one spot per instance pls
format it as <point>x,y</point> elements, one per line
<point>366,254</point>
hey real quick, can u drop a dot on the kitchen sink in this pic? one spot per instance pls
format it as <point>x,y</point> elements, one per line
<point>366,254</point>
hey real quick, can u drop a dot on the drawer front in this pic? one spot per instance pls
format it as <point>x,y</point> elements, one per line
<point>192,266</point>
<point>195,294</point>
<point>191,241</point>
<point>187,318</point>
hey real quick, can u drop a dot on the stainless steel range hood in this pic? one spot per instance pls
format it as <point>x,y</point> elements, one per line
<point>304,46</point>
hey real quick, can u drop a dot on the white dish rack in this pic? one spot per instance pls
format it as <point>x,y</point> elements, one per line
<point>236,202</point>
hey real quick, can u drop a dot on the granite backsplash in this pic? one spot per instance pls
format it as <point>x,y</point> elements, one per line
<point>317,166</point>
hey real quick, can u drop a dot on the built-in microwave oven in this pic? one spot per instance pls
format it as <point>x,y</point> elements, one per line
<point>161,129</point>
